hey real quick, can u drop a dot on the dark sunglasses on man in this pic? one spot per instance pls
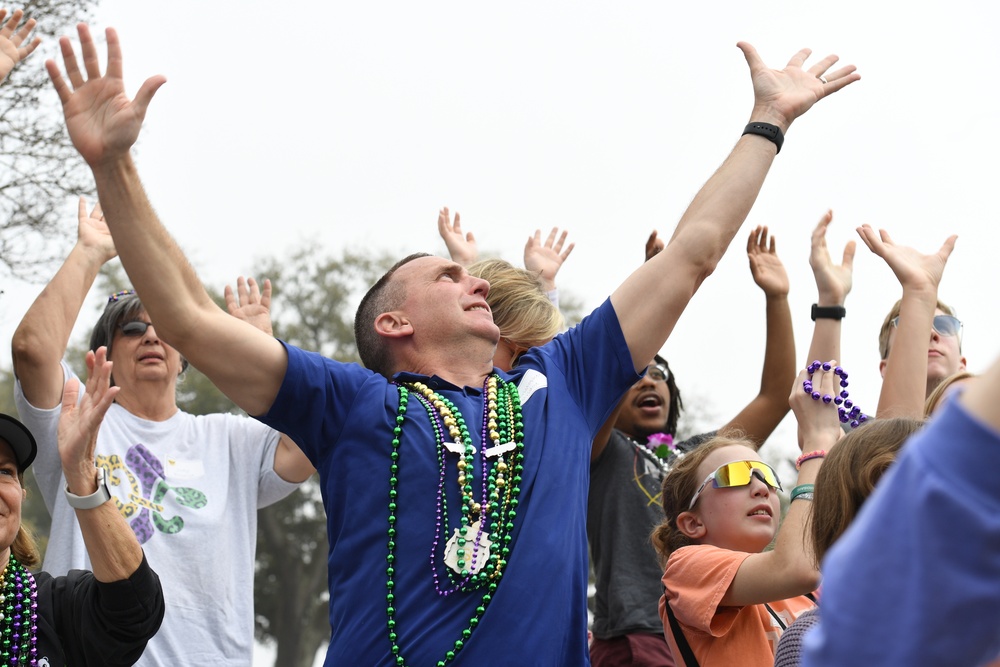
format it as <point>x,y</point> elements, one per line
<point>944,325</point>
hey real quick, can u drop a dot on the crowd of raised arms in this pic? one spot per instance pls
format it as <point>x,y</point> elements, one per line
<point>484,457</point>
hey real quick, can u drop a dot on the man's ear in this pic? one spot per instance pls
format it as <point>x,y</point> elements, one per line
<point>393,325</point>
<point>961,364</point>
<point>690,524</point>
<point>881,367</point>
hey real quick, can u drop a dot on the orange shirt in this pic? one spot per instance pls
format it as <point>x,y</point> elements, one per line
<point>696,578</point>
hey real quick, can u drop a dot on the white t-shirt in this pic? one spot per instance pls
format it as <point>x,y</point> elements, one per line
<point>190,488</point>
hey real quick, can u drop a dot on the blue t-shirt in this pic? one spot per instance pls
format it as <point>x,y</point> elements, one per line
<point>342,415</point>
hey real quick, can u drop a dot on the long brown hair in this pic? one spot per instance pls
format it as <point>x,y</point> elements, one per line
<point>849,474</point>
<point>679,486</point>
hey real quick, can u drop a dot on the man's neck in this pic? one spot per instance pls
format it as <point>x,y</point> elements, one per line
<point>465,368</point>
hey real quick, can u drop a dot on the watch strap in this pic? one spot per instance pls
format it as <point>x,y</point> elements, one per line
<point>96,499</point>
<point>828,312</point>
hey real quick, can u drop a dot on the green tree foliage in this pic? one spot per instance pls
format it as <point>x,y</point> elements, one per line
<point>39,168</point>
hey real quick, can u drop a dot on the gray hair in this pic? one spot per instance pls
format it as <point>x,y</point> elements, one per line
<point>122,306</point>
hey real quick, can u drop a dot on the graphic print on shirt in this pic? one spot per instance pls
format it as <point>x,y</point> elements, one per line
<point>648,477</point>
<point>146,486</point>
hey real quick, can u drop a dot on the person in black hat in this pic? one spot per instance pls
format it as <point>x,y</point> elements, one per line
<point>103,616</point>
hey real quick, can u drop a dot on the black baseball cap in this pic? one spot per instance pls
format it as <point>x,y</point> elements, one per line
<point>20,440</point>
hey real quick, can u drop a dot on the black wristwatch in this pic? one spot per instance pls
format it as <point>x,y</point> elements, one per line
<point>828,312</point>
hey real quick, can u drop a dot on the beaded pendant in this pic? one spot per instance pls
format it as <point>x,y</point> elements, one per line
<point>18,615</point>
<point>476,555</point>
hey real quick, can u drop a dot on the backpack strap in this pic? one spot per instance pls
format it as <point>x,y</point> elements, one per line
<point>682,643</point>
<point>777,617</point>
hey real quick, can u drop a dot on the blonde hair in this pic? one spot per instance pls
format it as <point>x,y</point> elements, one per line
<point>521,309</point>
<point>931,404</point>
<point>679,487</point>
<point>883,334</point>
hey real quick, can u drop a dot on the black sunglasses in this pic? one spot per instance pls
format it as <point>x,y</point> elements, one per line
<point>134,328</point>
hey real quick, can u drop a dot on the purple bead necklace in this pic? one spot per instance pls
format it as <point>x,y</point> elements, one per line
<point>18,615</point>
<point>846,409</point>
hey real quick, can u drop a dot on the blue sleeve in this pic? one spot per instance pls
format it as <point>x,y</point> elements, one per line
<point>595,360</point>
<point>315,395</point>
<point>916,579</point>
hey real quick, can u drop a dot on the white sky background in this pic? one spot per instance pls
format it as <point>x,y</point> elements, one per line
<point>350,124</point>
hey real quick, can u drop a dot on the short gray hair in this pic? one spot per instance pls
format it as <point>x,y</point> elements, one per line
<point>122,306</point>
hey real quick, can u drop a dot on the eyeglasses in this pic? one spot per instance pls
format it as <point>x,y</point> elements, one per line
<point>119,295</point>
<point>944,325</point>
<point>658,373</point>
<point>134,328</point>
<point>738,473</point>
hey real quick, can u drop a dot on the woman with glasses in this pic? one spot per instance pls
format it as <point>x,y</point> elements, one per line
<point>189,486</point>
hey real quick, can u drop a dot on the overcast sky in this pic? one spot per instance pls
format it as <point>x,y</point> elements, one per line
<point>350,124</point>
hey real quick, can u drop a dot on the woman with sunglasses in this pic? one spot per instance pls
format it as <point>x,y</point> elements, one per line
<point>182,481</point>
<point>727,598</point>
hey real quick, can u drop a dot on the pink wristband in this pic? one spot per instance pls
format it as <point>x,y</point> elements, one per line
<point>818,454</point>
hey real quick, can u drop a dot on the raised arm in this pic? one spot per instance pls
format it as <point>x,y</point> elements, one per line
<point>14,43</point>
<point>462,248</point>
<point>904,383</point>
<point>763,414</point>
<point>651,299</point>
<point>112,546</point>
<point>103,124</point>
<point>833,284</point>
<point>40,340</point>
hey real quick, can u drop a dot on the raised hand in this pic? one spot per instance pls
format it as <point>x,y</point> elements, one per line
<point>546,258</point>
<point>93,233</point>
<point>461,248</point>
<point>833,281</point>
<point>79,420</point>
<point>781,96</point>
<point>818,420</point>
<point>767,270</point>
<point>103,122</point>
<point>654,245</point>
<point>14,44</point>
<point>913,269</point>
<point>250,303</point>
